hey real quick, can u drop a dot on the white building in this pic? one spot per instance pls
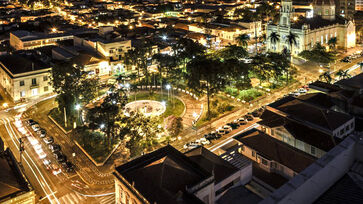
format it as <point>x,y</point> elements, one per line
<point>24,76</point>
<point>319,28</point>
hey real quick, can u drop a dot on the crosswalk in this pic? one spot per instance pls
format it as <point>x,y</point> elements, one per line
<point>107,199</point>
<point>7,120</point>
<point>72,198</point>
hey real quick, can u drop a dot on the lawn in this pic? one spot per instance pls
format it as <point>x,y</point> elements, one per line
<point>94,144</point>
<point>174,106</point>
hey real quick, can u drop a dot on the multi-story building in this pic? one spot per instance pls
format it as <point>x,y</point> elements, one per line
<point>23,75</point>
<point>359,5</point>
<point>346,8</point>
<point>271,154</point>
<point>319,29</point>
<point>25,40</point>
<point>169,176</point>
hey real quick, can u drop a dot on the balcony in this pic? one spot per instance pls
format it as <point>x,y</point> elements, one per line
<point>33,86</point>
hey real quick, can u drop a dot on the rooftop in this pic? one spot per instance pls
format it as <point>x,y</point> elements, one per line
<point>11,180</point>
<point>211,163</point>
<point>163,175</point>
<point>310,114</point>
<point>355,82</point>
<point>273,149</point>
<point>301,132</point>
<point>22,62</point>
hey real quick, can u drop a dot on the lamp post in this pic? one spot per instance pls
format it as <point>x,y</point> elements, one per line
<point>168,88</point>
<point>78,107</point>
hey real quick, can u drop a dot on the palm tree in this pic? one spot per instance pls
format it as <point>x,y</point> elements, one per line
<point>274,38</point>
<point>332,43</point>
<point>243,40</point>
<point>342,74</point>
<point>325,77</point>
<point>291,39</point>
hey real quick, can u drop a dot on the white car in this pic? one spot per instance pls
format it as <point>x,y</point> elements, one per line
<point>302,90</point>
<point>191,145</point>
<point>228,128</point>
<point>241,121</point>
<point>35,127</point>
<point>203,141</point>
<point>222,131</point>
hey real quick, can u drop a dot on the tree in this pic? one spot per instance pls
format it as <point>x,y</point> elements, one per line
<point>142,132</point>
<point>107,116</point>
<point>274,38</point>
<point>205,75</point>
<point>326,77</point>
<point>174,125</point>
<point>291,39</point>
<point>242,40</point>
<point>73,86</point>
<point>332,43</point>
<point>138,56</point>
<point>231,52</point>
<point>186,49</point>
<point>318,54</point>
<point>343,74</point>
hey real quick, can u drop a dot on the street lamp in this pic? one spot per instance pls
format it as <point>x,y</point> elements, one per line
<point>102,126</point>
<point>164,37</point>
<point>168,88</point>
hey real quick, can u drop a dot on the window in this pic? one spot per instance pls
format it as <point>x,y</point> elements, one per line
<point>22,93</point>
<point>45,78</point>
<point>264,161</point>
<point>341,131</point>
<point>253,153</point>
<point>46,88</point>
<point>34,81</point>
<point>22,83</point>
<point>326,11</point>
<point>34,92</point>
<point>312,150</point>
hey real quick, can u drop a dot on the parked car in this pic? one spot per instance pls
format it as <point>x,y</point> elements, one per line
<point>228,128</point>
<point>191,145</point>
<point>42,133</point>
<point>67,166</point>
<point>48,140</point>
<point>346,59</point>
<point>35,127</point>
<point>242,121</point>
<point>31,122</point>
<point>212,136</point>
<point>256,113</point>
<point>222,131</point>
<point>202,141</point>
<point>233,125</point>
<point>302,90</point>
<point>248,117</point>
<point>61,158</point>
<point>54,147</point>
<point>55,169</point>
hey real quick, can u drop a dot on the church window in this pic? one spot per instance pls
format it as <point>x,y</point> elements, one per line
<point>326,12</point>
<point>322,40</point>
<point>284,21</point>
<point>335,34</point>
<point>326,38</point>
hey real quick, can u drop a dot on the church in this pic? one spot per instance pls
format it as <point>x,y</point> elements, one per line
<point>319,27</point>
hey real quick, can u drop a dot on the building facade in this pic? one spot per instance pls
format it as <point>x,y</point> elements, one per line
<point>320,28</point>
<point>32,80</point>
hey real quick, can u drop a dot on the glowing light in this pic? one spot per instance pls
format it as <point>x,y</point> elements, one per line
<point>5,105</point>
<point>78,107</point>
<point>131,27</point>
<point>321,71</point>
<point>102,126</point>
<point>54,30</point>
<point>168,86</point>
<point>164,37</point>
<point>195,115</point>
<point>295,18</point>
